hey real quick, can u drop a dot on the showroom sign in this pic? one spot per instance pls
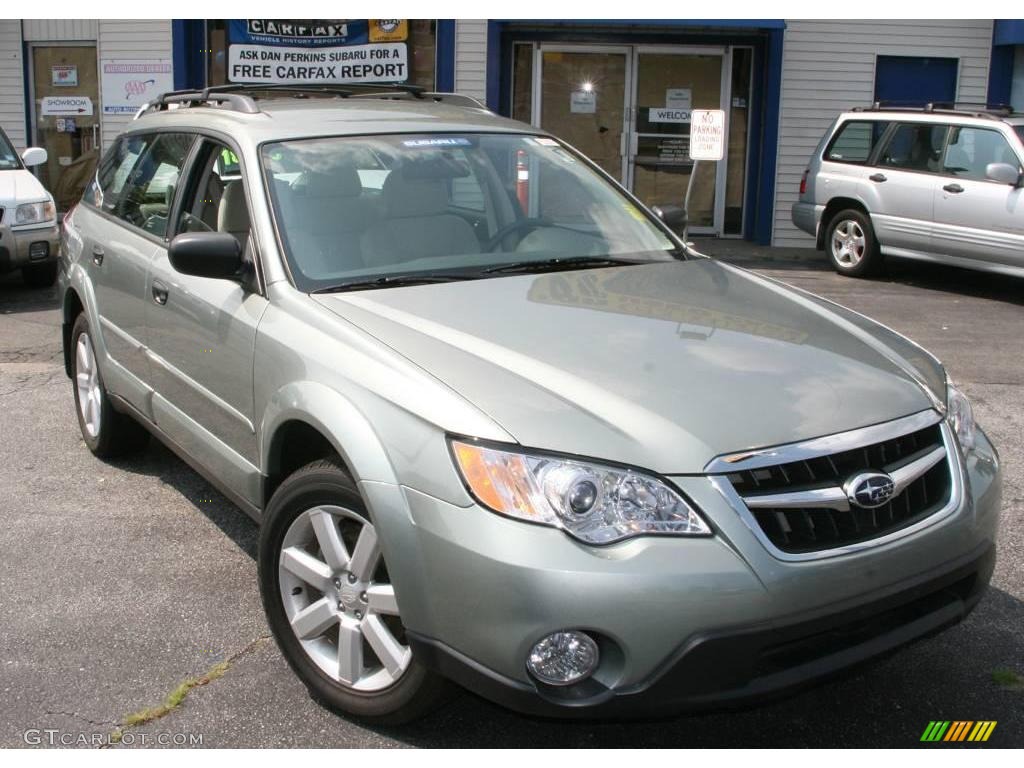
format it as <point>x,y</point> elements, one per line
<point>317,52</point>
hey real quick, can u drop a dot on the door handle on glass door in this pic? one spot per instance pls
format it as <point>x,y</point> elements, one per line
<point>879,177</point>
<point>954,189</point>
<point>159,293</point>
<point>97,255</point>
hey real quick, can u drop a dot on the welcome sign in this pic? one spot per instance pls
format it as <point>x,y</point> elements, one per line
<point>313,52</point>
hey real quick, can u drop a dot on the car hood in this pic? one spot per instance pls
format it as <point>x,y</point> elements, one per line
<point>20,186</point>
<point>663,365</point>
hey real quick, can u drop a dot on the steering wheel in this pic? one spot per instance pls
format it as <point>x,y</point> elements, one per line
<point>525,225</point>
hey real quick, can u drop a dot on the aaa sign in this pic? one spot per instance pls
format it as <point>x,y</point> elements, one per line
<point>707,134</point>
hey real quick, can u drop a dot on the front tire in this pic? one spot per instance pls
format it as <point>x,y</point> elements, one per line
<point>106,432</point>
<point>331,605</point>
<point>851,244</point>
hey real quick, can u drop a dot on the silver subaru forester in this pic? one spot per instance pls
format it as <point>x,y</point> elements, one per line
<point>940,183</point>
<point>498,424</point>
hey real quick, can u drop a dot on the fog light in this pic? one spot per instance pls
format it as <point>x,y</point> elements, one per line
<point>563,658</point>
<point>39,250</point>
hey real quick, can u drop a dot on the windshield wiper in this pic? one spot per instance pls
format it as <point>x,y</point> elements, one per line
<point>390,281</point>
<point>553,265</point>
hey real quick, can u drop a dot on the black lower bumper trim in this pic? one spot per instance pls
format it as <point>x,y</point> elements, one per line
<point>743,666</point>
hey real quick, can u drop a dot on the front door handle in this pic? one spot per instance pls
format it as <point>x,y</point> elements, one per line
<point>159,292</point>
<point>879,177</point>
<point>97,255</point>
<point>955,189</point>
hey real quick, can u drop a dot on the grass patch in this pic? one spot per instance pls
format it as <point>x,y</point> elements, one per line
<point>174,698</point>
<point>1008,678</point>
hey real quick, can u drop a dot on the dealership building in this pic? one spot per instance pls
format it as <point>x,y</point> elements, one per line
<point>620,91</point>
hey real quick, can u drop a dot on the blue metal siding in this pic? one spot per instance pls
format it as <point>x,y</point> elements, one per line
<point>444,80</point>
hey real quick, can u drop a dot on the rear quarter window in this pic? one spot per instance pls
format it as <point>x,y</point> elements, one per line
<point>854,141</point>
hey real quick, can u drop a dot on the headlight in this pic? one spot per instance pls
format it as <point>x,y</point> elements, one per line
<point>593,503</point>
<point>960,416</point>
<point>35,213</point>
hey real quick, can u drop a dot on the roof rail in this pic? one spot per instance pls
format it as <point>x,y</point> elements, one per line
<point>243,97</point>
<point>986,111</point>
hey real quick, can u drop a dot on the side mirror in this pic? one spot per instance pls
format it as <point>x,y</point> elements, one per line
<point>34,156</point>
<point>206,254</point>
<point>1004,173</point>
<point>674,216</point>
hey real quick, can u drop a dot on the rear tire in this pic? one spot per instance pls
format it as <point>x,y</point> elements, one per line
<point>851,244</point>
<point>330,603</point>
<point>40,275</point>
<point>106,432</point>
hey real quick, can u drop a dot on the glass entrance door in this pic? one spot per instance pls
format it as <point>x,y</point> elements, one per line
<point>628,109</point>
<point>580,96</point>
<point>667,85</point>
<point>65,118</point>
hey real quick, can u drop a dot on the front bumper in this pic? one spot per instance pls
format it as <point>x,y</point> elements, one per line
<point>681,623</point>
<point>25,246</point>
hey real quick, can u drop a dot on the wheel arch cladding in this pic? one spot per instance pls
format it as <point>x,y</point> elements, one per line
<point>72,306</point>
<point>307,408</point>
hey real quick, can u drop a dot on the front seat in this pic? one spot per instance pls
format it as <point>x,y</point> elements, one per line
<point>417,223</point>
<point>233,213</point>
<point>328,216</point>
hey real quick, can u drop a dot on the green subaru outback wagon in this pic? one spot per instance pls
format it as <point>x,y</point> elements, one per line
<point>498,424</point>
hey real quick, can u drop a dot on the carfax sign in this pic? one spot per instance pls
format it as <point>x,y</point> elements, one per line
<point>311,52</point>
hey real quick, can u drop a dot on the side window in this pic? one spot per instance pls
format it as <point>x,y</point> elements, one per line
<point>971,149</point>
<point>854,141</point>
<point>145,197</point>
<point>215,197</point>
<point>914,147</point>
<point>118,162</point>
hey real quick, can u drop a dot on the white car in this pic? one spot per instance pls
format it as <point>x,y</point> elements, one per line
<point>29,236</point>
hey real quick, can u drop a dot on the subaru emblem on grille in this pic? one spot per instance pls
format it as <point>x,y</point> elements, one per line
<point>869,489</point>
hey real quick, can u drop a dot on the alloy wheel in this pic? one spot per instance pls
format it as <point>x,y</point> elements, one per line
<point>339,601</point>
<point>848,243</point>
<point>87,380</point>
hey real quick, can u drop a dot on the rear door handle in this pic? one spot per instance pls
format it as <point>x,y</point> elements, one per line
<point>97,255</point>
<point>879,177</point>
<point>955,189</point>
<point>159,292</point>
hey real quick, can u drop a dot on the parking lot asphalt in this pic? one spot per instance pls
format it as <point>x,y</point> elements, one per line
<point>121,580</point>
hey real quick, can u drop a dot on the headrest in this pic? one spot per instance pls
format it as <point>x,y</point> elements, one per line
<point>340,181</point>
<point>233,214</point>
<point>405,197</point>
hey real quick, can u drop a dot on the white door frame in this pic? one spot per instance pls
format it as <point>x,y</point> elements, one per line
<point>721,170</point>
<point>538,79</point>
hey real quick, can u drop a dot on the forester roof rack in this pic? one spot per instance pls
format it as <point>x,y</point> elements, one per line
<point>987,111</point>
<point>245,97</point>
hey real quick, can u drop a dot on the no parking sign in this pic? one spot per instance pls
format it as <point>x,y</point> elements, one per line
<point>707,134</point>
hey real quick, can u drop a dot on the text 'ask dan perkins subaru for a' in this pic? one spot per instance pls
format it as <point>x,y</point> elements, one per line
<point>499,425</point>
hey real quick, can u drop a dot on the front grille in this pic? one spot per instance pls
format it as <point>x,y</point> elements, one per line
<point>799,526</point>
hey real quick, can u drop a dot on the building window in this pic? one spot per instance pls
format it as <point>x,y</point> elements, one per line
<point>914,81</point>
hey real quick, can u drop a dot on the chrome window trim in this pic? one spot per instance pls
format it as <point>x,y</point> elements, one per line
<point>956,498</point>
<point>757,458</point>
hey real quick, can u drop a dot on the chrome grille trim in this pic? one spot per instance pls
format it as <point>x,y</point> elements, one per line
<point>834,497</point>
<point>821,446</point>
<point>950,451</point>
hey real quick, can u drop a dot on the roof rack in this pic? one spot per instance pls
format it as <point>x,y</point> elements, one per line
<point>243,97</point>
<point>986,111</point>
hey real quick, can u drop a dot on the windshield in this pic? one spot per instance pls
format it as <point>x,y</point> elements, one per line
<point>350,209</point>
<point>9,160</point>
<point>1020,131</point>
